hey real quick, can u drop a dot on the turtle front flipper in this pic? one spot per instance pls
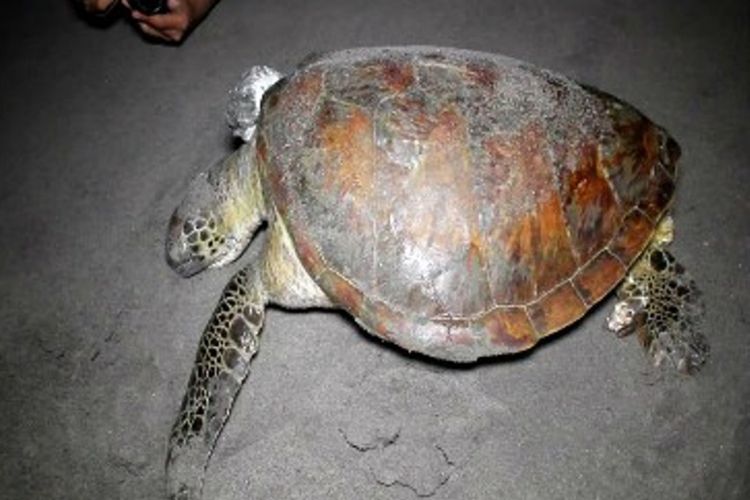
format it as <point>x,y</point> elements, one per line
<point>228,343</point>
<point>219,215</point>
<point>661,303</point>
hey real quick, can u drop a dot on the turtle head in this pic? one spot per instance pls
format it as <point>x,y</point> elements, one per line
<point>224,205</point>
<point>218,217</point>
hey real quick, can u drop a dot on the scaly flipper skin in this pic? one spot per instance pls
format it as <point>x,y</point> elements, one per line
<point>661,303</point>
<point>228,343</point>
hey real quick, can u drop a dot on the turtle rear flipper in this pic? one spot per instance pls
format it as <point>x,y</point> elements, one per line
<point>661,303</point>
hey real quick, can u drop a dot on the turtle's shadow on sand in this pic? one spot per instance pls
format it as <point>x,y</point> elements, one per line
<point>430,362</point>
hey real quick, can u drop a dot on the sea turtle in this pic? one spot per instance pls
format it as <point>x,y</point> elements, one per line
<point>458,204</point>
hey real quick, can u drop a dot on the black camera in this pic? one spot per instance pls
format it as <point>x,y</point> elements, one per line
<point>150,7</point>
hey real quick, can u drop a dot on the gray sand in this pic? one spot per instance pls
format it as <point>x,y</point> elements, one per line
<point>101,133</point>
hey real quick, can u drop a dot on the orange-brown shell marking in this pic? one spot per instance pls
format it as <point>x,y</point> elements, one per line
<point>456,203</point>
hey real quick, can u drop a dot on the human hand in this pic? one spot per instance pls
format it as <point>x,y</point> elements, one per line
<point>174,25</point>
<point>98,7</point>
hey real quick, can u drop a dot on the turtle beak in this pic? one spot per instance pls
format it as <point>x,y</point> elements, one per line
<point>179,256</point>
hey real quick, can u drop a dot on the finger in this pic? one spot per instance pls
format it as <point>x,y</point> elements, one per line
<point>175,35</point>
<point>148,30</point>
<point>169,35</point>
<point>163,22</point>
<point>99,7</point>
<point>172,35</point>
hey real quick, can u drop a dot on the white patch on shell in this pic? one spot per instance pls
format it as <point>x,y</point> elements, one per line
<point>245,98</point>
